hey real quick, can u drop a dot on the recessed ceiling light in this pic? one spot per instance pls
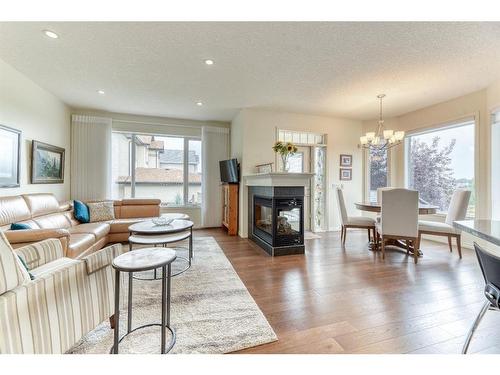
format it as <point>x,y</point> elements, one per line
<point>50,34</point>
<point>199,104</point>
<point>209,62</point>
<point>100,92</point>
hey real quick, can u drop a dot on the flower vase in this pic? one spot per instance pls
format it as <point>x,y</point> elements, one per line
<point>285,166</point>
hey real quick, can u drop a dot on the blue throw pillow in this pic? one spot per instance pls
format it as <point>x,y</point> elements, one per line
<point>19,226</point>
<point>81,212</point>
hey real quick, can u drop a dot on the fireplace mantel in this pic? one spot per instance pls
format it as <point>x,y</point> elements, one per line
<point>278,179</point>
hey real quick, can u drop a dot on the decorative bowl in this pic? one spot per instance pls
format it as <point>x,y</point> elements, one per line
<point>161,221</point>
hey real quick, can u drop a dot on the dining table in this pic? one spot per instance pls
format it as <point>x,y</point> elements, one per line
<point>369,206</point>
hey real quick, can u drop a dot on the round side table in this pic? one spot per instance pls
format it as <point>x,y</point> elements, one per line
<point>148,233</point>
<point>138,261</point>
<point>164,240</point>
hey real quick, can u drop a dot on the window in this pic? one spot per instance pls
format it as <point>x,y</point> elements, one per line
<point>442,160</point>
<point>378,172</point>
<point>161,167</point>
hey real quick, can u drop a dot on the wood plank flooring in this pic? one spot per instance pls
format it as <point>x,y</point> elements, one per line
<point>349,300</point>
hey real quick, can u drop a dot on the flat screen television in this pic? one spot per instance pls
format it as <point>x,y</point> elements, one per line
<point>229,171</point>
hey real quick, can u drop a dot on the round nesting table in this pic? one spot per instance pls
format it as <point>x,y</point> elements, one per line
<point>138,261</point>
<point>149,234</point>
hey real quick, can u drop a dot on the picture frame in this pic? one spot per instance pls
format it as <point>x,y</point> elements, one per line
<point>47,163</point>
<point>345,174</point>
<point>264,168</point>
<point>10,157</point>
<point>345,160</point>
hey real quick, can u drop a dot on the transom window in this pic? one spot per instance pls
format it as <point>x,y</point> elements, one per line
<point>157,166</point>
<point>439,161</point>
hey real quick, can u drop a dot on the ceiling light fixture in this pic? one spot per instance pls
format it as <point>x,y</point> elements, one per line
<point>199,104</point>
<point>381,139</point>
<point>209,62</point>
<point>50,34</point>
<point>100,92</point>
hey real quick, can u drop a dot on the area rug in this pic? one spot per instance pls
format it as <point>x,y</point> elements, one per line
<point>211,311</point>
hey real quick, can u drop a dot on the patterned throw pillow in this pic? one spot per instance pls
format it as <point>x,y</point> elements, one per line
<point>101,211</point>
<point>12,272</point>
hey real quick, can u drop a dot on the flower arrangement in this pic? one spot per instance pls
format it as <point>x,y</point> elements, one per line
<point>285,149</point>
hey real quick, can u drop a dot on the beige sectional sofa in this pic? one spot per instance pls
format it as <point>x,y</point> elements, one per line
<point>50,219</point>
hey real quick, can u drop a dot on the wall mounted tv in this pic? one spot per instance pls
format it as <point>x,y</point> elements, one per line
<point>229,171</point>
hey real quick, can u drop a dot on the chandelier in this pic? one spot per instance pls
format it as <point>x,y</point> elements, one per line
<point>381,139</point>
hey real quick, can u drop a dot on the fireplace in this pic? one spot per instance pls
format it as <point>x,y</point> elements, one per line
<point>276,219</point>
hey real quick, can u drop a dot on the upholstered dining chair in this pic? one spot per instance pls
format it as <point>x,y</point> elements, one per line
<point>359,222</point>
<point>456,211</point>
<point>490,267</point>
<point>399,219</point>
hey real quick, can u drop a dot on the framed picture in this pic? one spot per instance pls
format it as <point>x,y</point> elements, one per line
<point>345,174</point>
<point>264,168</point>
<point>345,160</point>
<point>47,163</point>
<point>10,156</point>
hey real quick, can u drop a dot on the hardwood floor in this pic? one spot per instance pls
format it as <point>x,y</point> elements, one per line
<point>335,300</point>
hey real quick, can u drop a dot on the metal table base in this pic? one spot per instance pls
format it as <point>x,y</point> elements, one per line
<point>165,311</point>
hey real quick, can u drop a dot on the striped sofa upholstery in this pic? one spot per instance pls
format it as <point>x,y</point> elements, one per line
<point>67,299</point>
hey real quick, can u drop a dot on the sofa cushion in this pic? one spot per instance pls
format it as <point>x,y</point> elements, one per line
<point>12,272</point>
<point>13,209</point>
<point>99,230</point>
<point>121,225</point>
<point>81,212</point>
<point>79,242</point>
<point>54,221</point>
<point>101,211</point>
<point>41,204</point>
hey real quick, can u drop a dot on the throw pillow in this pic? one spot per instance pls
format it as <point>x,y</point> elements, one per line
<point>19,226</point>
<point>12,273</point>
<point>81,212</point>
<point>101,211</point>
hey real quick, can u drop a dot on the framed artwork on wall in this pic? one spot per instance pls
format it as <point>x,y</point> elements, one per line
<point>10,156</point>
<point>345,160</point>
<point>345,174</point>
<point>47,163</point>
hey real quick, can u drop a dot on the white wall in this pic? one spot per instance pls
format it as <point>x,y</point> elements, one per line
<point>40,116</point>
<point>253,133</point>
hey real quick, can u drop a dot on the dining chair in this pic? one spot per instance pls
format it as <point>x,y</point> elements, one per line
<point>398,219</point>
<point>359,222</point>
<point>490,267</point>
<point>456,211</point>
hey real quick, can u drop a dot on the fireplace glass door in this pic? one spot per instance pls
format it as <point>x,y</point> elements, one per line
<point>263,215</point>
<point>288,221</point>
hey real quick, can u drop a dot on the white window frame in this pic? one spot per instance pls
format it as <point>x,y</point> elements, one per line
<point>185,184</point>
<point>449,124</point>
<point>367,174</point>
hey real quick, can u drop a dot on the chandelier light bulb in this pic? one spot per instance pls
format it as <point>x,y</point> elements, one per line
<point>388,134</point>
<point>370,136</point>
<point>363,140</point>
<point>399,135</point>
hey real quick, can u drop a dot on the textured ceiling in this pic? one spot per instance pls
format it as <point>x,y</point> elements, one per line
<point>334,68</point>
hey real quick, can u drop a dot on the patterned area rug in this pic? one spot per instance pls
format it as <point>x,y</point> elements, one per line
<point>211,311</point>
